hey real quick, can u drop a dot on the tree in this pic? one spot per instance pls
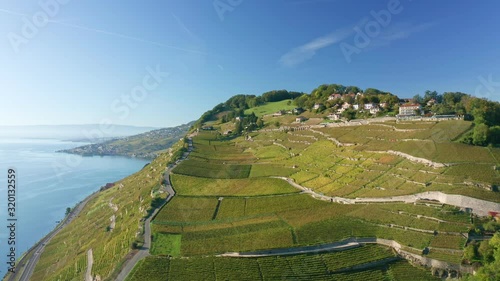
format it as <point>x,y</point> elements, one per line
<point>348,99</point>
<point>491,270</point>
<point>239,127</point>
<point>432,95</point>
<point>494,135</point>
<point>68,210</point>
<point>277,124</point>
<point>485,251</point>
<point>480,136</point>
<point>470,253</point>
<point>260,123</point>
<point>349,114</point>
<point>301,101</point>
<point>418,99</point>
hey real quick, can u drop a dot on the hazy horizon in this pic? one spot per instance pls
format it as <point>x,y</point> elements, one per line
<point>90,132</point>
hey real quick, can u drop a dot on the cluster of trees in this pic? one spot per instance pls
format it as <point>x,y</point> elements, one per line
<point>280,95</point>
<point>248,123</point>
<point>236,105</point>
<point>486,253</point>
<point>484,113</point>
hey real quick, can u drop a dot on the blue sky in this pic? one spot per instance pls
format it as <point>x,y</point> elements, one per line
<point>91,62</point>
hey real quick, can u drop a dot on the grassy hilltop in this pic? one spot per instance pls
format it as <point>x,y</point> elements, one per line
<point>229,199</point>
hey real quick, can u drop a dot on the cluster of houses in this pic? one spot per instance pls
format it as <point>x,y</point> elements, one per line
<point>407,108</point>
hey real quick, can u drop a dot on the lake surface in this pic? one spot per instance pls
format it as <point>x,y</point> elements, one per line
<point>48,183</point>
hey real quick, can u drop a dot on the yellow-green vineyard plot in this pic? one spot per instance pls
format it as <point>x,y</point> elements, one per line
<point>271,170</point>
<point>187,185</point>
<point>212,170</point>
<point>402,270</point>
<point>445,255</point>
<point>440,211</point>
<point>182,208</point>
<point>150,269</point>
<point>221,153</point>
<point>378,214</point>
<point>110,247</point>
<point>340,227</point>
<point>231,208</point>
<point>475,172</point>
<point>448,241</point>
<point>166,244</point>
<point>495,152</point>
<point>302,176</point>
<point>259,236</point>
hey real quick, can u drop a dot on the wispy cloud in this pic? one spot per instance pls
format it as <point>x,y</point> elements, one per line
<point>119,35</point>
<point>184,28</point>
<point>307,51</point>
<point>12,13</point>
<point>399,31</point>
<point>110,33</point>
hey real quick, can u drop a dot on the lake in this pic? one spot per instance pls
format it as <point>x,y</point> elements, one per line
<point>48,183</point>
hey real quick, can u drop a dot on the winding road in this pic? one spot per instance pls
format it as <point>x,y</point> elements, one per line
<point>144,251</point>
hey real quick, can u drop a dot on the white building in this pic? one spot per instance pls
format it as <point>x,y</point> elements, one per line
<point>369,106</point>
<point>409,109</point>
<point>374,110</point>
<point>334,116</point>
<point>334,96</point>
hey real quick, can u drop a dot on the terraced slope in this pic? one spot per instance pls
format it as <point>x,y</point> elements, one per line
<point>229,201</point>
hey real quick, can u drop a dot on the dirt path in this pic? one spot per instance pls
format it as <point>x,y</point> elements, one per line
<point>90,263</point>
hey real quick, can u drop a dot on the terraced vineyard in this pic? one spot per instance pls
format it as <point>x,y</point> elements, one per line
<point>228,200</point>
<point>321,266</point>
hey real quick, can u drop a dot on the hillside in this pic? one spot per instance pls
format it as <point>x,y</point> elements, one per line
<point>253,193</point>
<point>266,198</point>
<point>146,145</point>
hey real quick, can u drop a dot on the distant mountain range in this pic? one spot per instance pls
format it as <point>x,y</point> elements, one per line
<point>146,145</point>
<point>85,133</point>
